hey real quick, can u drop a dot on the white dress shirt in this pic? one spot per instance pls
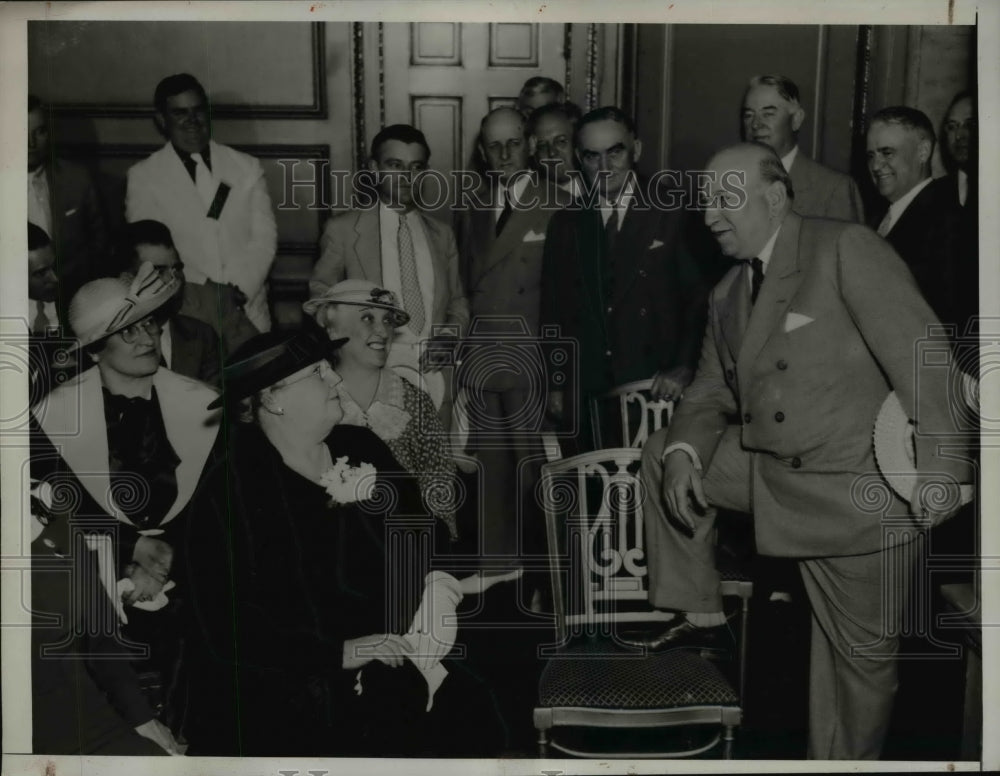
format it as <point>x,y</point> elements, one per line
<point>404,355</point>
<point>515,192</point>
<point>625,198</point>
<point>789,158</point>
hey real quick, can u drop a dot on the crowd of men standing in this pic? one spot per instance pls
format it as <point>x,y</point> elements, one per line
<point>567,242</point>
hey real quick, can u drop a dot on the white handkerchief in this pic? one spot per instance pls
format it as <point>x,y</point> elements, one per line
<point>655,244</point>
<point>533,236</point>
<point>432,634</point>
<point>795,321</point>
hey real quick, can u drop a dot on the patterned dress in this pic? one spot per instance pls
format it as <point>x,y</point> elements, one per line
<point>403,416</point>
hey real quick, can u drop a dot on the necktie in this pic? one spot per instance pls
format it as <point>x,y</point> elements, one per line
<point>505,214</point>
<point>203,180</point>
<point>611,231</point>
<point>42,322</point>
<point>756,267</point>
<point>885,225</point>
<point>413,300</point>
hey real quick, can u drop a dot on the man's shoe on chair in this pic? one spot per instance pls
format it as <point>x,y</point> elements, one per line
<point>681,633</point>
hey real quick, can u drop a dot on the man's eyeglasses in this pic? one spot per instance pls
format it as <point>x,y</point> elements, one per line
<point>150,326</point>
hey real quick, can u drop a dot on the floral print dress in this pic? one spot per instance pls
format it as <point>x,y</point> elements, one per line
<point>404,417</point>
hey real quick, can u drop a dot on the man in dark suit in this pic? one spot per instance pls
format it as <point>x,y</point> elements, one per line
<point>190,347</point>
<point>390,241</point>
<point>919,220</point>
<point>800,351</point>
<point>616,277</point>
<point>772,114</point>
<point>63,200</point>
<point>960,154</point>
<point>51,361</point>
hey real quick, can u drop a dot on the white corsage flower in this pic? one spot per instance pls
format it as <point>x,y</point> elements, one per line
<point>347,484</point>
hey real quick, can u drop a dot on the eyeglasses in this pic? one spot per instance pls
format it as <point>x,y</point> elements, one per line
<point>150,326</point>
<point>320,370</point>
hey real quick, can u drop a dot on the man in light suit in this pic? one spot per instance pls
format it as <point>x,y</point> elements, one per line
<point>392,243</point>
<point>188,346</point>
<point>773,115</point>
<point>920,220</point>
<point>617,277</point>
<point>501,237</point>
<point>63,200</point>
<point>213,199</point>
<point>799,354</point>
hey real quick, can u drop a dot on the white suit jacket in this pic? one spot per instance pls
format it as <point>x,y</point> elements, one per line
<point>238,247</point>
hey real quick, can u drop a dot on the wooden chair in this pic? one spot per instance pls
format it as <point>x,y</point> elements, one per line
<point>593,511</point>
<point>640,415</point>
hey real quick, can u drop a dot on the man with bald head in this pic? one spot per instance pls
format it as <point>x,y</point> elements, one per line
<point>773,114</point>
<point>500,240</point>
<point>799,354</point>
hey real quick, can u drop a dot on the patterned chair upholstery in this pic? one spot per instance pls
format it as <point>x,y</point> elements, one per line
<point>593,512</point>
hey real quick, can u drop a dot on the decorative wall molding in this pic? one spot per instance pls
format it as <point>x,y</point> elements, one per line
<point>568,56</point>
<point>592,66</point>
<point>316,109</point>
<point>819,89</point>
<point>358,89</point>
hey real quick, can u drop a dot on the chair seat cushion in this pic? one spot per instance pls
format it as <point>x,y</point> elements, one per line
<point>596,673</point>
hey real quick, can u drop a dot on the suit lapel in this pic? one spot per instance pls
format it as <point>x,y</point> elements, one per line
<point>780,283</point>
<point>368,243</point>
<point>634,237</point>
<point>176,177</point>
<point>483,236</point>
<point>183,355</point>
<point>735,310</point>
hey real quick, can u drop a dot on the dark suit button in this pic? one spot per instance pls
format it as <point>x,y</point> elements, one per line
<point>607,353</point>
<point>779,416</point>
<point>782,364</point>
<point>642,273</point>
<point>520,290</point>
<point>642,312</point>
<point>796,462</point>
<point>746,418</point>
<point>729,374</point>
<point>610,308</point>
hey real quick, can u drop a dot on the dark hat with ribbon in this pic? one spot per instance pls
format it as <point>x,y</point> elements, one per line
<point>267,358</point>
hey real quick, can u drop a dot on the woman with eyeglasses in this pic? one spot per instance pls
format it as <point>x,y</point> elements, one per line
<point>124,444</point>
<point>321,621</point>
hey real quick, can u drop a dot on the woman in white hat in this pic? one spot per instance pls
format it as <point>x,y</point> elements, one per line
<point>376,397</point>
<point>127,441</point>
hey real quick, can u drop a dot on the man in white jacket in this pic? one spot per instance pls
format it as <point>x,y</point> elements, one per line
<point>214,200</point>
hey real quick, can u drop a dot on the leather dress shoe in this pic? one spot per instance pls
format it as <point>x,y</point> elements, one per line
<point>679,634</point>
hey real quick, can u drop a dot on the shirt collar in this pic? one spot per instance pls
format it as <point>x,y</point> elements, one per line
<point>515,191</point>
<point>787,159</point>
<point>765,253</point>
<point>896,208</point>
<point>185,157</point>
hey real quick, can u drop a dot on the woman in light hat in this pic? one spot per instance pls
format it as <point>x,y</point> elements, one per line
<point>126,442</point>
<point>308,561</point>
<point>377,397</point>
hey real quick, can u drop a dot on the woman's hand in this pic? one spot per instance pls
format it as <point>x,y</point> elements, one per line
<point>160,734</point>
<point>386,647</point>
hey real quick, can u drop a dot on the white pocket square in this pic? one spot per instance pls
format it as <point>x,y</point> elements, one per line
<point>796,321</point>
<point>655,244</point>
<point>71,211</point>
<point>533,236</point>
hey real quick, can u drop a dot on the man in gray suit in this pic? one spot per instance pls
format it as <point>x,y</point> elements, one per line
<point>799,354</point>
<point>401,248</point>
<point>773,115</point>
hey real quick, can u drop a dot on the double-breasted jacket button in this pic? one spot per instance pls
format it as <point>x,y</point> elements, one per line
<point>796,462</point>
<point>520,290</point>
<point>607,353</point>
<point>729,374</point>
<point>642,273</point>
<point>642,312</point>
<point>747,417</point>
<point>779,416</point>
<point>782,364</point>
<point>610,308</point>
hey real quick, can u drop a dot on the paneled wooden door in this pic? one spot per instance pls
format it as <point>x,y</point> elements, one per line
<point>443,77</point>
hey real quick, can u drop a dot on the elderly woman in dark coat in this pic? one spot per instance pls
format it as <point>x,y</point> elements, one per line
<point>315,571</point>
